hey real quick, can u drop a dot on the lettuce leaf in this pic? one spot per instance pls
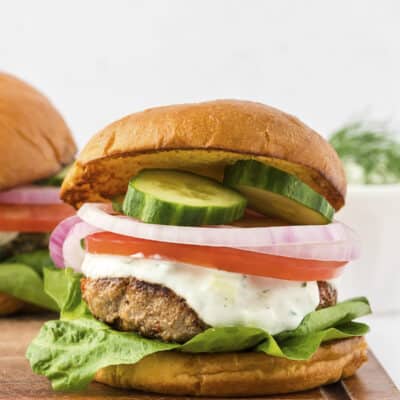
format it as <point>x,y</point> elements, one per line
<point>71,350</point>
<point>37,260</point>
<point>22,277</point>
<point>303,347</point>
<point>64,287</point>
<point>55,180</point>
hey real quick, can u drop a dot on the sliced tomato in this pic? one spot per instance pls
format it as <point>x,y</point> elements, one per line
<point>228,259</point>
<point>32,218</point>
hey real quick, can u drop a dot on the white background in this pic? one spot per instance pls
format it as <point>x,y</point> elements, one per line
<point>324,61</point>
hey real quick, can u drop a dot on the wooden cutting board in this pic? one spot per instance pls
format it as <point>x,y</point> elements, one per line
<point>18,382</point>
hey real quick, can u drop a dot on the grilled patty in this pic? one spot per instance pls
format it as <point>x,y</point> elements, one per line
<point>327,295</point>
<point>24,243</point>
<point>153,310</point>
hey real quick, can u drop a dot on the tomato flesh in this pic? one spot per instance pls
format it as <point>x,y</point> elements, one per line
<point>224,258</point>
<point>33,218</point>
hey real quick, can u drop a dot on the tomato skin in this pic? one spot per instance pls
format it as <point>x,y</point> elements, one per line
<point>224,258</point>
<point>33,218</point>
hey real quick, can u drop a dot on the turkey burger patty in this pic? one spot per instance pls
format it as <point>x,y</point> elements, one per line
<point>157,311</point>
<point>23,243</point>
<point>152,310</point>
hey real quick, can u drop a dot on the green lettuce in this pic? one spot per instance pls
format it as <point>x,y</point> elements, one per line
<point>64,287</point>
<point>22,277</point>
<point>55,180</point>
<point>38,260</point>
<point>70,351</point>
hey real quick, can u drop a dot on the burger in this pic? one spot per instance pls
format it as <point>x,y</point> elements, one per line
<point>203,259</point>
<point>36,145</point>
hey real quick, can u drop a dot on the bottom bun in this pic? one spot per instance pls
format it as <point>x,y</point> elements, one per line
<point>9,304</point>
<point>237,374</point>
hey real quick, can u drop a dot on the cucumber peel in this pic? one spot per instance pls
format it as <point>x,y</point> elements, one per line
<point>170,197</point>
<point>271,191</point>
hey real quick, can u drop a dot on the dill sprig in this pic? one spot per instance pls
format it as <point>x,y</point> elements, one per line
<point>369,149</point>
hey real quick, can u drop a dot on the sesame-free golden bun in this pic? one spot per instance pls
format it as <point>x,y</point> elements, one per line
<point>35,141</point>
<point>237,374</point>
<point>203,138</point>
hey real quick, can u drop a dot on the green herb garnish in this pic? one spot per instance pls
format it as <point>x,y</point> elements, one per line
<point>369,151</point>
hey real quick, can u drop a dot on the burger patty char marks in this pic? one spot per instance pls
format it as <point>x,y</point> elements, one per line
<point>153,310</point>
<point>327,295</point>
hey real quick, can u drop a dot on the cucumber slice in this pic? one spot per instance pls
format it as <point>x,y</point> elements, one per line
<point>180,198</point>
<point>274,192</point>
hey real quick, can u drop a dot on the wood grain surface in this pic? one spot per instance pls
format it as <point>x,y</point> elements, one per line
<point>18,382</point>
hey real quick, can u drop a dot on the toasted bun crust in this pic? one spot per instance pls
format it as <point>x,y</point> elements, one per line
<point>35,142</point>
<point>9,304</point>
<point>203,138</point>
<point>237,374</point>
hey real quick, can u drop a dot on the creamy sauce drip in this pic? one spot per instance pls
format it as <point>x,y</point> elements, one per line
<point>219,298</point>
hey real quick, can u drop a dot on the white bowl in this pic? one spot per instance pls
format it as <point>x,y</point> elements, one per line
<point>373,211</point>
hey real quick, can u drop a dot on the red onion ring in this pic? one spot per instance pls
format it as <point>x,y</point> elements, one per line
<point>31,195</point>
<point>332,242</point>
<point>57,239</point>
<point>73,253</point>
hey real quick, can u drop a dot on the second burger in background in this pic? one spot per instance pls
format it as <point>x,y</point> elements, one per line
<point>36,146</point>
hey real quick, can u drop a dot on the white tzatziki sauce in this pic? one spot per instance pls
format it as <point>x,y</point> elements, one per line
<point>7,237</point>
<point>219,298</point>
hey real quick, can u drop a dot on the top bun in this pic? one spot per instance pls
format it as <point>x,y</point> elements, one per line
<point>35,142</point>
<point>203,138</point>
